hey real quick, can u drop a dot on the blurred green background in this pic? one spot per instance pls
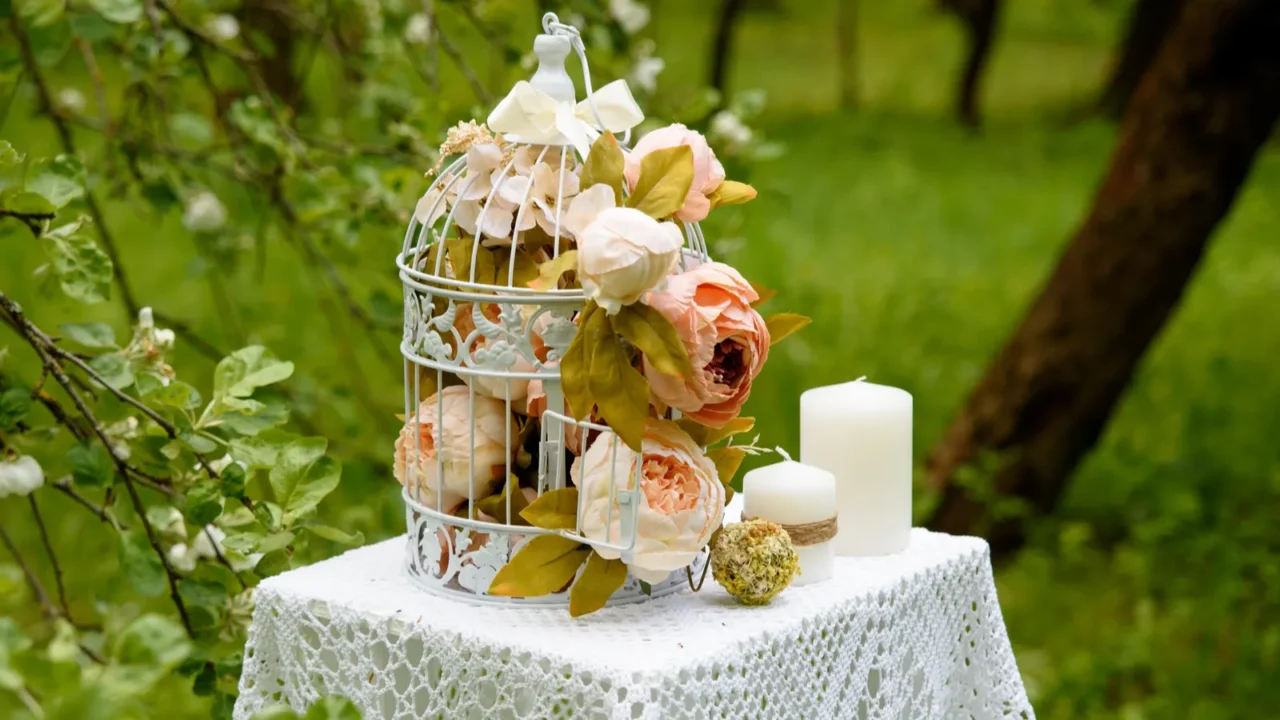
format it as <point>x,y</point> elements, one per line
<point>915,244</point>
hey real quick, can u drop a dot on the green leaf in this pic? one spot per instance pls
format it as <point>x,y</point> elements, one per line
<point>11,162</point>
<point>114,369</point>
<point>197,442</point>
<point>332,708</point>
<point>495,506</point>
<point>654,335</point>
<point>90,335</point>
<point>731,192</point>
<point>554,510</point>
<point>705,436</point>
<point>784,325</point>
<point>619,390</point>
<point>191,128</point>
<point>273,563</point>
<point>262,450</point>
<point>665,178</point>
<point>232,480</point>
<point>24,202</point>
<point>15,403</point>
<point>59,179</point>
<point>575,367</point>
<point>90,464</point>
<point>208,593</point>
<point>248,417</point>
<point>550,271</point>
<point>304,475</point>
<point>40,12</point>
<point>246,370</point>
<point>176,394</point>
<point>329,532</point>
<point>118,11</point>
<point>604,164</point>
<point>727,461</point>
<point>82,268</point>
<point>599,580</point>
<point>203,502</point>
<point>154,641</point>
<point>140,564</point>
<point>544,565</point>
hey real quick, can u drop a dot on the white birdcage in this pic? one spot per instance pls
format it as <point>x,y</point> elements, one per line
<point>478,341</point>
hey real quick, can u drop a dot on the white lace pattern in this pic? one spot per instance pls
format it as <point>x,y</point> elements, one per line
<point>915,635</point>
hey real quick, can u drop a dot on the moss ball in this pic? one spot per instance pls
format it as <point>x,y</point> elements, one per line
<point>753,560</point>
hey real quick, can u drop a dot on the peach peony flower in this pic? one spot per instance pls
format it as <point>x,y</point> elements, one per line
<point>682,498</point>
<point>623,254</point>
<point>708,173</point>
<point>727,341</point>
<point>432,441</point>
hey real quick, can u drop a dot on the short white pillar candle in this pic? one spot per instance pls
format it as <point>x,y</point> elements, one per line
<point>861,432</point>
<point>789,493</point>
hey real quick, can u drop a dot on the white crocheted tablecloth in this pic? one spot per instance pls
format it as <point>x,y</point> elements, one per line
<point>913,635</point>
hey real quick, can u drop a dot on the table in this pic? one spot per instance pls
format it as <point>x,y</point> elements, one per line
<point>913,635</point>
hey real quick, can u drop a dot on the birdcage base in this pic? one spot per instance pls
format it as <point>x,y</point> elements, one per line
<point>458,558</point>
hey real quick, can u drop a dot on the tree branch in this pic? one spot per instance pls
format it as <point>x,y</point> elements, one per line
<point>53,558</point>
<point>31,220</point>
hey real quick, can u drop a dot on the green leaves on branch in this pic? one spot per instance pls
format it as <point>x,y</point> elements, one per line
<point>665,178</point>
<point>59,179</point>
<point>118,11</point>
<point>492,265</point>
<point>246,370</point>
<point>605,164</point>
<point>82,268</point>
<point>333,707</point>
<point>546,564</point>
<point>90,335</point>
<point>783,325</point>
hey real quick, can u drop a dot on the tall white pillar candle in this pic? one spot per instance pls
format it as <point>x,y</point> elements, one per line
<point>861,432</point>
<point>789,493</point>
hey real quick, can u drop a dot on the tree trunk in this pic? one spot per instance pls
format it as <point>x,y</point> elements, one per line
<point>847,49</point>
<point>722,46</point>
<point>276,27</point>
<point>1149,23</point>
<point>1186,145</point>
<point>979,19</point>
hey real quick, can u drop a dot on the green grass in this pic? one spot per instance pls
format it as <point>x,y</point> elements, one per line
<point>915,246</point>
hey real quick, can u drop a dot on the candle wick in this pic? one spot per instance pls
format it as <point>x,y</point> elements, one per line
<point>783,453</point>
<point>864,377</point>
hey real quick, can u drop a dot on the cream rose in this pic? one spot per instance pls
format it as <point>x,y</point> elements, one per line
<point>623,254</point>
<point>708,173</point>
<point>727,342</point>
<point>682,500</point>
<point>433,441</point>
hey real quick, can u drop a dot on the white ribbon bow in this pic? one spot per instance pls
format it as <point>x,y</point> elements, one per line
<point>538,118</point>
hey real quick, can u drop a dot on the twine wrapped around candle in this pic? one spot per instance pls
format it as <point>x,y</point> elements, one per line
<point>814,533</point>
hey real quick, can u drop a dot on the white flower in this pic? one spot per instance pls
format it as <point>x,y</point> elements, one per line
<point>165,338</point>
<point>204,213</point>
<point>646,71</point>
<point>181,558</point>
<point>146,319</point>
<point>222,27</point>
<point>623,254</point>
<point>537,199</point>
<point>71,100</point>
<point>731,129</point>
<point>20,475</point>
<point>168,522</point>
<point>474,209</point>
<point>631,15</point>
<point>418,30</point>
